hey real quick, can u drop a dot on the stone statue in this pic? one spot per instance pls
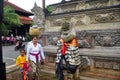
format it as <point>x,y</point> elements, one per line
<point>68,51</point>
<point>39,16</point>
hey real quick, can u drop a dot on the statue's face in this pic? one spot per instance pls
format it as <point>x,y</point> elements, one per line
<point>65,29</point>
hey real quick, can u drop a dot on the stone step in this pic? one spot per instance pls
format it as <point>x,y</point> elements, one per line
<point>88,78</point>
<point>99,76</point>
<point>49,68</point>
<point>51,64</point>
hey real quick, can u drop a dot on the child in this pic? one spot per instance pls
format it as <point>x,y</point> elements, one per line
<point>21,63</point>
<point>21,59</point>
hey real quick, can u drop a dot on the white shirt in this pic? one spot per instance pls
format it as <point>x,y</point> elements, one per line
<point>34,50</point>
<point>30,42</point>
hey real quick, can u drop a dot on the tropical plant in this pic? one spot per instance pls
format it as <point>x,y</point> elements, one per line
<point>10,18</point>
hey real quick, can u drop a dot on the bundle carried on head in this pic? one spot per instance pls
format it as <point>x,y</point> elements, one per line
<point>34,31</point>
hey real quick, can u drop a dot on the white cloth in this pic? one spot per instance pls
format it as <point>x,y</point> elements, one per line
<point>34,50</point>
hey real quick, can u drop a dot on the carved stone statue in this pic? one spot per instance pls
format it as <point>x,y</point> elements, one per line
<point>39,17</point>
<point>68,52</point>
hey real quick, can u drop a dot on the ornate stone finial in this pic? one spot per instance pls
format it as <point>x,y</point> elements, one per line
<point>35,4</point>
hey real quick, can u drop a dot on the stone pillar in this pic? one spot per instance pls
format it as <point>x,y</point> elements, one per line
<point>43,4</point>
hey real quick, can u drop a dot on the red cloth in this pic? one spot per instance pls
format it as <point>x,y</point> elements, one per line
<point>63,49</point>
<point>36,55</point>
<point>26,67</point>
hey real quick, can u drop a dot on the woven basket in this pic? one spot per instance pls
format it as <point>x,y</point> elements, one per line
<point>34,31</point>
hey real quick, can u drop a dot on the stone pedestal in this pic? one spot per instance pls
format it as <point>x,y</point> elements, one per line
<point>104,61</point>
<point>102,65</point>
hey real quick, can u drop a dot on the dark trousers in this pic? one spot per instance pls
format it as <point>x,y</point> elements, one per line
<point>60,68</point>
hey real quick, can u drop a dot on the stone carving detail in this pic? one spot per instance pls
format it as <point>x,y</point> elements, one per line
<point>47,24</point>
<point>51,37</point>
<point>58,10</point>
<point>98,64</point>
<point>107,41</point>
<point>81,6</point>
<point>98,38</point>
<point>58,22</point>
<point>104,17</point>
<point>107,38</point>
<point>116,2</point>
<point>107,65</point>
<point>39,17</point>
<point>84,39</point>
<point>98,3</point>
<point>116,66</point>
<point>83,19</point>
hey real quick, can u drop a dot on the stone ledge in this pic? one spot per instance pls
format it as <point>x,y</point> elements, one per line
<point>112,52</point>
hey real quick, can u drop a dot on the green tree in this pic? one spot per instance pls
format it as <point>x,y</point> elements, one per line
<point>10,18</point>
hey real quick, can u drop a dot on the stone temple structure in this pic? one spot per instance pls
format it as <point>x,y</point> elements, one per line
<point>97,24</point>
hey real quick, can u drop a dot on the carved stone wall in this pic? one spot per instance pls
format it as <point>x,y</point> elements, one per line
<point>88,20</point>
<point>97,23</point>
<point>82,5</point>
<point>98,18</point>
<point>108,37</point>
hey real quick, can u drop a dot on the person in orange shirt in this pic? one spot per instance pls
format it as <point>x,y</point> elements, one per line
<point>21,60</point>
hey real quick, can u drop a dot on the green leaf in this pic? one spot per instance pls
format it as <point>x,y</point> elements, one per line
<point>10,18</point>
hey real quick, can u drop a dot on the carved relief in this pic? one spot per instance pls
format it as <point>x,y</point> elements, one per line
<point>59,21</point>
<point>83,20</point>
<point>51,37</point>
<point>108,65</point>
<point>58,10</point>
<point>116,2</point>
<point>107,39</point>
<point>47,24</point>
<point>116,66</point>
<point>98,64</point>
<point>98,3</point>
<point>74,20</point>
<point>102,18</point>
<point>81,6</point>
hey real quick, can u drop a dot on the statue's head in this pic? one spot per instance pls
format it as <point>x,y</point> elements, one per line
<point>65,29</point>
<point>36,8</point>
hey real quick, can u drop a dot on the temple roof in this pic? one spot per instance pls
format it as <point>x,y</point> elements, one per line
<point>18,9</point>
<point>23,14</point>
<point>25,20</point>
